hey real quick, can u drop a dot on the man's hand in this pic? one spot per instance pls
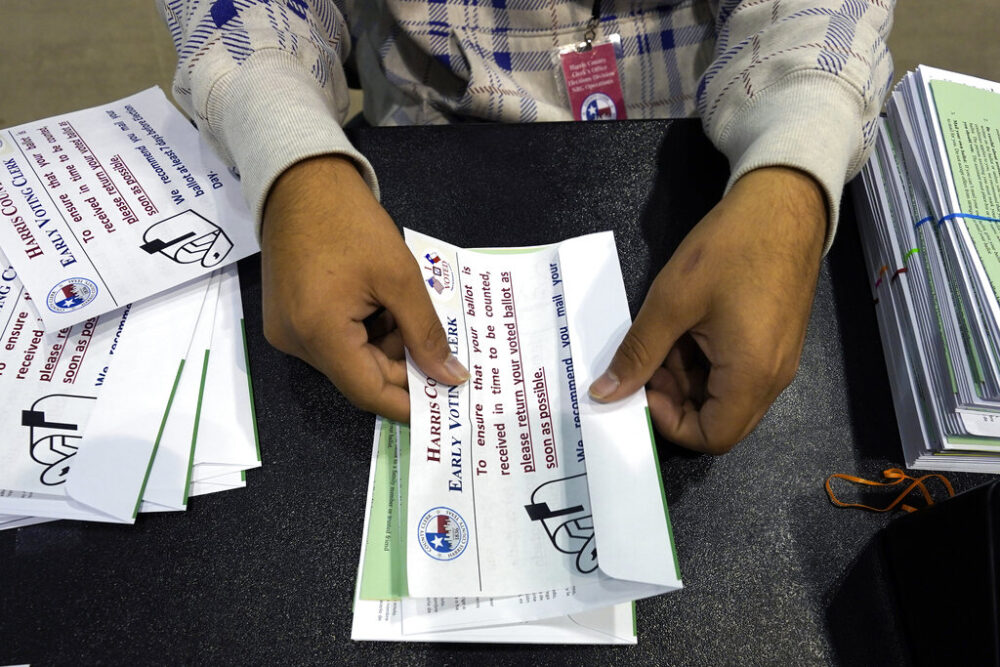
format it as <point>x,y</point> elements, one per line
<point>720,333</point>
<point>331,258</point>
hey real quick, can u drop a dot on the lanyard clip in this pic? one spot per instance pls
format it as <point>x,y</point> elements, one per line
<point>589,34</point>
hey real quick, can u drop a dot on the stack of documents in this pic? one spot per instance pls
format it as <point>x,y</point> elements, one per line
<point>928,206</point>
<point>514,508</point>
<point>123,371</point>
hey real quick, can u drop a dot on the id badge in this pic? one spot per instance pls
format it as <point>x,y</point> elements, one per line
<point>593,84</point>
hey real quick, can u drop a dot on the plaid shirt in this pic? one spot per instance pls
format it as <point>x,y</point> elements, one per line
<point>793,82</point>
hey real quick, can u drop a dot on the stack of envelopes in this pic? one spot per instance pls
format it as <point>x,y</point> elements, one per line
<point>123,368</point>
<point>515,508</point>
<point>928,204</point>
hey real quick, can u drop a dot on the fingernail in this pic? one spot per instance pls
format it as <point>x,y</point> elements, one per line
<point>457,370</point>
<point>604,386</point>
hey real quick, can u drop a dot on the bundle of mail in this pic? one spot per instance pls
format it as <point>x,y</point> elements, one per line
<point>515,508</point>
<point>123,368</point>
<point>928,205</point>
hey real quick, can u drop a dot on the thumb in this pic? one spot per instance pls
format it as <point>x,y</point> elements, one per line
<point>422,332</point>
<point>660,322</point>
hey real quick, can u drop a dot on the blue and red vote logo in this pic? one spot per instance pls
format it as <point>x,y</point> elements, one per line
<point>443,534</point>
<point>598,106</point>
<point>71,294</point>
<point>438,274</point>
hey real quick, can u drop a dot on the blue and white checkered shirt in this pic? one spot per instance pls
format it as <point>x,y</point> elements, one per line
<point>790,82</point>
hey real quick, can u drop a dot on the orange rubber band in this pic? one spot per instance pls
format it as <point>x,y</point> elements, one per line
<point>895,477</point>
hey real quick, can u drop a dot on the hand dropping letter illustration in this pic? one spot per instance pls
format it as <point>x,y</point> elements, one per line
<point>187,238</point>
<point>562,506</point>
<point>54,425</point>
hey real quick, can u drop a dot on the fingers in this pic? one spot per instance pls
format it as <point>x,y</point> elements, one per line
<point>392,346</point>
<point>363,372</point>
<point>393,369</point>
<point>661,320</point>
<point>711,408</point>
<point>741,285</point>
<point>683,410</point>
<point>689,366</point>
<point>420,329</point>
<point>717,424</point>
<point>324,228</point>
<point>379,324</point>
<point>370,373</point>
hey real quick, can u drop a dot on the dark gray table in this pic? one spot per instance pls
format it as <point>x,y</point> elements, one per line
<point>773,572</point>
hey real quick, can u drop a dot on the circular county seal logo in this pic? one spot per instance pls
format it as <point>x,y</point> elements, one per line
<point>438,274</point>
<point>598,106</point>
<point>443,534</point>
<point>71,294</point>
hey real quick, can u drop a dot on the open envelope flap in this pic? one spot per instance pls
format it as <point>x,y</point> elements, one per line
<point>631,522</point>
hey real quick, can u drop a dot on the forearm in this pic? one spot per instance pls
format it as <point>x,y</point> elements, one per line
<point>798,84</point>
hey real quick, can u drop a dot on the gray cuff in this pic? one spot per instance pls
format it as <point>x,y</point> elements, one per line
<point>810,121</point>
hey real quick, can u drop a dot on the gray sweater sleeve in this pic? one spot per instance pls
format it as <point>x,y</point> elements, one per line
<point>265,83</point>
<point>795,83</point>
<point>798,83</point>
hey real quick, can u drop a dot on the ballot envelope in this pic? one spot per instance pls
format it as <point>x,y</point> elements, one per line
<point>516,498</point>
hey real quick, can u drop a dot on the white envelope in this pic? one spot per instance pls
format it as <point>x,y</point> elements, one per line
<point>115,458</point>
<point>227,433</point>
<point>227,482</point>
<point>167,485</point>
<point>382,620</point>
<point>378,620</point>
<point>626,490</point>
<point>118,202</point>
<point>499,544</point>
<point>50,384</point>
<point>534,326</point>
<point>8,522</point>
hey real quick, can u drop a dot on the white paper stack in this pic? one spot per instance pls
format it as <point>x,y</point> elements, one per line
<point>928,204</point>
<point>383,610</point>
<point>111,409</point>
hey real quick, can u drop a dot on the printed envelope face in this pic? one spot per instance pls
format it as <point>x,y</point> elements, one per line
<point>518,483</point>
<point>114,204</point>
<point>380,614</point>
<point>560,508</point>
<point>59,397</point>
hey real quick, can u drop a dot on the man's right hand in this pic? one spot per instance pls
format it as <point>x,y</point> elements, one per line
<point>331,258</point>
